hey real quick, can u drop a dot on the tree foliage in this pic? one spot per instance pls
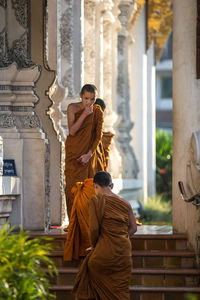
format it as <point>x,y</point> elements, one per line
<point>164,164</point>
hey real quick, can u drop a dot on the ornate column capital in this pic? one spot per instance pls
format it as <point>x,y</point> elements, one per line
<point>106,10</point>
<point>126,7</point>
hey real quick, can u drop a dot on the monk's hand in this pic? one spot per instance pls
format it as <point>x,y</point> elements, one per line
<point>88,111</point>
<point>83,159</point>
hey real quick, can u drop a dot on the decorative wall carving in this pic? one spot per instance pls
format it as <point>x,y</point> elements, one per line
<point>10,120</point>
<point>21,11</point>
<point>17,50</point>
<point>18,115</point>
<point>66,35</point>
<point>3,3</point>
<point>89,41</point>
<point>28,121</point>
<point>7,121</point>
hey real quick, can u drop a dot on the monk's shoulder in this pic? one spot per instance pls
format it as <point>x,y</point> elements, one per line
<point>124,201</point>
<point>97,200</point>
<point>73,107</point>
<point>98,111</point>
<point>92,199</point>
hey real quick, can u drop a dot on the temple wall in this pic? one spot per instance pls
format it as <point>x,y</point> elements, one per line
<point>186,117</point>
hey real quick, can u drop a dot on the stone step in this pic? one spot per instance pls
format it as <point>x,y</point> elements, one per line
<point>143,259</point>
<point>137,292</point>
<point>159,242</point>
<point>139,242</point>
<point>141,276</point>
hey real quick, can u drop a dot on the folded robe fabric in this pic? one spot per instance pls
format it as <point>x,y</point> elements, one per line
<point>77,240</point>
<point>87,138</point>
<point>100,159</point>
<point>106,142</point>
<point>105,272</point>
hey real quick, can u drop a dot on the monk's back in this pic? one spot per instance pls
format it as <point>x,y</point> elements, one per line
<point>114,240</point>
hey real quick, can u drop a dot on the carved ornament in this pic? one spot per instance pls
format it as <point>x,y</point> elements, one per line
<point>159,25</point>
<point>7,121</point>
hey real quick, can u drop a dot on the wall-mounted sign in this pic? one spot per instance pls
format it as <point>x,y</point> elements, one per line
<point>9,168</point>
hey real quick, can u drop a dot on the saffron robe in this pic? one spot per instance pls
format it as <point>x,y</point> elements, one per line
<point>106,142</point>
<point>100,159</point>
<point>77,240</point>
<point>105,272</point>
<point>86,138</point>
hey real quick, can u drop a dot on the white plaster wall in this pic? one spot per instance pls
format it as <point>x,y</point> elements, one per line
<point>186,116</point>
<point>138,99</point>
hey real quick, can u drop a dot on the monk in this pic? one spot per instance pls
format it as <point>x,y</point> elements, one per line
<point>77,240</point>
<point>85,122</point>
<point>100,159</point>
<point>105,272</point>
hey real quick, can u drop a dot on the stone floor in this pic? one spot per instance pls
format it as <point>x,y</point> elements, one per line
<point>154,229</point>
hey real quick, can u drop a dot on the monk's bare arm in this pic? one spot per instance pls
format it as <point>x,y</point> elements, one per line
<point>93,222</point>
<point>73,125</point>
<point>132,224</point>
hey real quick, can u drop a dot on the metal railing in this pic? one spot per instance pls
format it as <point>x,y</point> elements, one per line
<point>194,199</point>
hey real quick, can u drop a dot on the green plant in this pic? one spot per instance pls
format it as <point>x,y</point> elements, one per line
<point>21,274</point>
<point>164,164</point>
<point>191,297</point>
<point>156,211</point>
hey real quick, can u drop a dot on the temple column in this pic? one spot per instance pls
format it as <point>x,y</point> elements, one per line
<point>130,184</point>
<point>64,57</point>
<point>111,27</point>
<point>130,166</point>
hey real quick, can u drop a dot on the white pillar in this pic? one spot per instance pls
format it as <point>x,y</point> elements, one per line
<point>138,103</point>
<point>151,123</point>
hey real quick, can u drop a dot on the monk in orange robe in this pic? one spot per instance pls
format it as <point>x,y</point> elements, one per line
<point>106,142</point>
<point>105,272</point>
<point>85,122</point>
<point>100,159</point>
<point>77,240</point>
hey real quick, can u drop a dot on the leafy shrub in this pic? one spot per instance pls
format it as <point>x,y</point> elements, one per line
<point>164,164</point>
<point>156,211</point>
<point>191,297</point>
<point>21,274</point>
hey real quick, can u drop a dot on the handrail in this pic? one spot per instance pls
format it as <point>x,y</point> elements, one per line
<point>195,199</point>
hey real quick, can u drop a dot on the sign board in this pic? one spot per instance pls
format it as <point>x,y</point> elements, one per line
<point>9,168</point>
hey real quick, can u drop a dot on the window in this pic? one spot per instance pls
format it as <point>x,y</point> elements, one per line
<point>166,87</point>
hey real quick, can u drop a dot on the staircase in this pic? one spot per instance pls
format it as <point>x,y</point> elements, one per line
<point>163,269</point>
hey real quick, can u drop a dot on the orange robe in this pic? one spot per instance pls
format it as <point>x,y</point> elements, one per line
<point>106,141</point>
<point>77,240</point>
<point>87,138</point>
<point>105,272</point>
<point>100,159</point>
